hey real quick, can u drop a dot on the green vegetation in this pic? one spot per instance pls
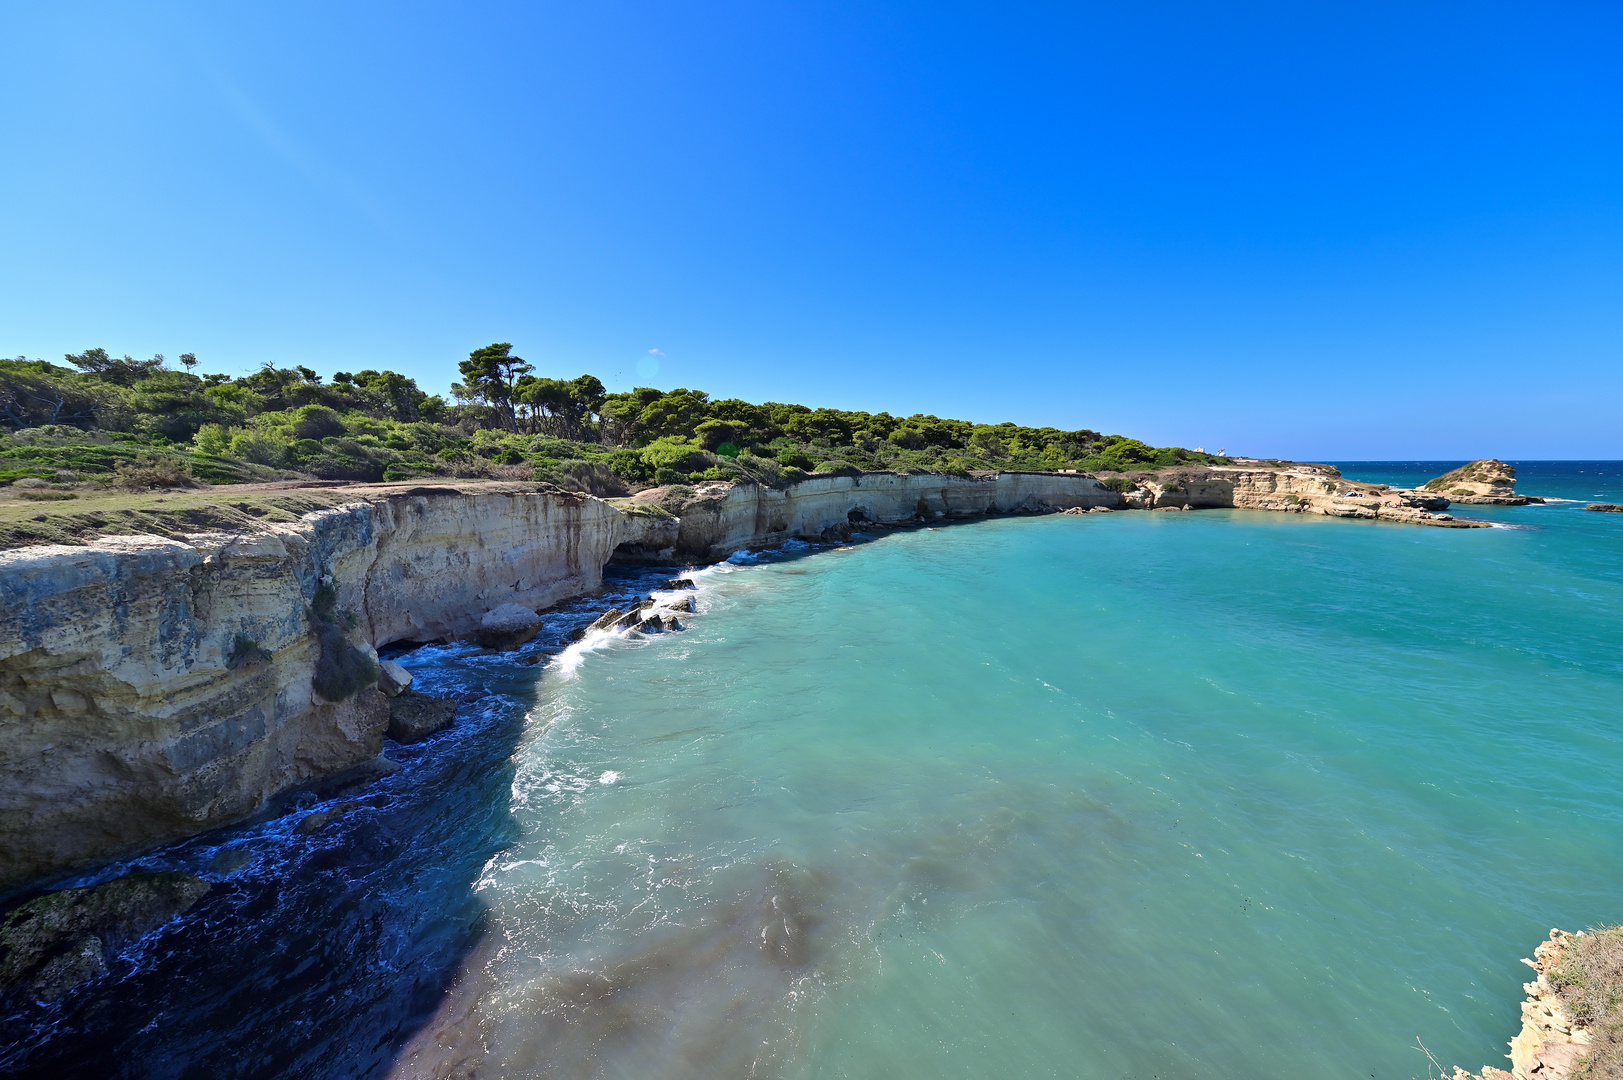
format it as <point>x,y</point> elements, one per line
<point>1590,982</point>
<point>136,425</point>
<point>342,670</point>
<point>245,652</point>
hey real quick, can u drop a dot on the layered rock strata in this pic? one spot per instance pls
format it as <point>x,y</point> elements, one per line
<point>152,688</point>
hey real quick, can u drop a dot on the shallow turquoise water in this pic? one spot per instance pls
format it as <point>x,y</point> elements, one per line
<point>1134,795</point>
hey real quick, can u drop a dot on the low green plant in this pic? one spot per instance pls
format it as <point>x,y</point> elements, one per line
<point>1117,483</point>
<point>245,652</point>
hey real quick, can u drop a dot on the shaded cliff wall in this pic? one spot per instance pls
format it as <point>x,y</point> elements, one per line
<point>123,722</point>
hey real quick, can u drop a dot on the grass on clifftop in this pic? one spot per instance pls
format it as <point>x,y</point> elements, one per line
<point>90,514</point>
<point>1590,982</point>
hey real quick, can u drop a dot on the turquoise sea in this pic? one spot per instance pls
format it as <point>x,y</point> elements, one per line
<point>1216,795</point>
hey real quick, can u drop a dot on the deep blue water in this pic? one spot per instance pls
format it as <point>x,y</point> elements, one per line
<point>1222,794</point>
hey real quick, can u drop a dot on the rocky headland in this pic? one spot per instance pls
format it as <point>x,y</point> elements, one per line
<point>153,687</point>
<point>1484,482</point>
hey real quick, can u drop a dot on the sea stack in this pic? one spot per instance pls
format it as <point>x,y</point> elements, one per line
<point>1484,482</point>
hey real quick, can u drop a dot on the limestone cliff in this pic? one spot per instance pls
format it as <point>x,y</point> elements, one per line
<point>151,688</point>
<point>720,518</point>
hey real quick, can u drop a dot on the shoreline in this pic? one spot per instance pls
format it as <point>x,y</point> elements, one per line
<point>160,687</point>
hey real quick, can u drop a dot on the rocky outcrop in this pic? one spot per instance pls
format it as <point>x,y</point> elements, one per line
<point>413,717</point>
<point>1606,508</point>
<point>1551,1045</point>
<point>1484,482</point>
<point>715,519</point>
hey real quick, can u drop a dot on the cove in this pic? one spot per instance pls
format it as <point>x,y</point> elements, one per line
<point>1202,794</point>
<point>1181,795</point>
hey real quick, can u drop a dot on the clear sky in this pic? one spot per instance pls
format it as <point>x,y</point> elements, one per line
<point>1316,230</point>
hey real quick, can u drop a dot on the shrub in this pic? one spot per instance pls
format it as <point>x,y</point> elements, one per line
<point>592,477</point>
<point>149,471</point>
<point>260,447</point>
<point>317,422</point>
<point>794,459</point>
<point>342,670</point>
<point>1169,486</point>
<point>1117,483</point>
<point>212,439</point>
<point>245,652</point>
<point>46,495</point>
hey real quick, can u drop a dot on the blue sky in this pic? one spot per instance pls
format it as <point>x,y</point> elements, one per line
<point>1311,230</point>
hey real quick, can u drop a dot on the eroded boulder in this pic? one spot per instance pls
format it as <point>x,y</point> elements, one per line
<point>508,626</point>
<point>414,716</point>
<point>392,678</point>
<point>55,942</point>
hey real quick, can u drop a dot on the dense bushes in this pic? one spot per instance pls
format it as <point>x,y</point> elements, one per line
<point>109,418</point>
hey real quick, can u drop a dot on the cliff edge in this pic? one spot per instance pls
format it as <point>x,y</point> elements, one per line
<point>1572,1017</point>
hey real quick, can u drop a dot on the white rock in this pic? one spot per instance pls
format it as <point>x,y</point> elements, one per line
<point>395,680</point>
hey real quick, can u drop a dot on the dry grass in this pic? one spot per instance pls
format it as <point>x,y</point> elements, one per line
<point>1590,982</point>
<point>95,511</point>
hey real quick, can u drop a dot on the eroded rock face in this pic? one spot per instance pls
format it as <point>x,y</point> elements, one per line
<point>125,722</point>
<point>52,944</point>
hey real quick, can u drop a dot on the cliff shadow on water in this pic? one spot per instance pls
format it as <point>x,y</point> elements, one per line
<point>337,920</point>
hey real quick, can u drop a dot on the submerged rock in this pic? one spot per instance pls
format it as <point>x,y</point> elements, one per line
<point>508,626</point>
<point>679,583</point>
<point>414,716</point>
<point>604,621</point>
<point>55,942</point>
